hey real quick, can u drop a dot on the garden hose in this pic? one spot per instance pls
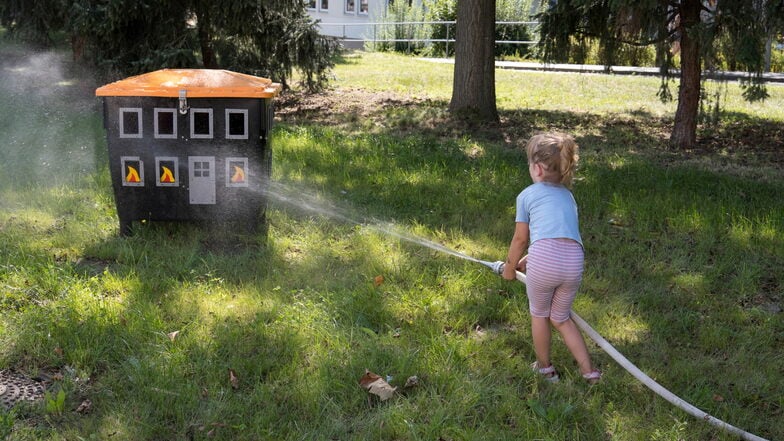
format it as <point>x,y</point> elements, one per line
<point>498,268</point>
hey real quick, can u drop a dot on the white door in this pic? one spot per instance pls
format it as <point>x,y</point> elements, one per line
<point>201,174</point>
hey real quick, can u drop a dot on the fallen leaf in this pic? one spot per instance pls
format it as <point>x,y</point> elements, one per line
<point>58,351</point>
<point>235,382</point>
<point>85,407</point>
<point>204,392</point>
<point>717,397</point>
<point>172,335</point>
<point>378,280</point>
<point>376,385</point>
<point>413,381</point>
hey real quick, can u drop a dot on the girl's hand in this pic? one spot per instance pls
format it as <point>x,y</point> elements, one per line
<point>521,265</point>
<point>509,272</point>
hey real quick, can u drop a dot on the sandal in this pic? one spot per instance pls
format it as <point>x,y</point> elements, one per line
<point>593,377</point>
<point>549,373</point>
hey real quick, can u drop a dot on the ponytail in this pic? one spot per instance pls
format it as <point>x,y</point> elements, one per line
<point>557,152</point>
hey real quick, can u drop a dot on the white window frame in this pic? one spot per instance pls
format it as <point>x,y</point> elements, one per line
<point>367,7</point>
<point>136,110</point>
<point>123,161</point>
<point>321,4</point>
<point>244,112</point>
<point>353,9</point>
<point>309,2</point>
<point>193,112</point>
<point>175,172</point>
<point>229,172</point>
<point>158,134</point>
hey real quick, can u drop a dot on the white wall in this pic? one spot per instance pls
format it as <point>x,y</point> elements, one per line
<point>336,20</point>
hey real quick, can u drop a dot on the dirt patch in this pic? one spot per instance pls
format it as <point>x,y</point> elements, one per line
<point>746,147</point>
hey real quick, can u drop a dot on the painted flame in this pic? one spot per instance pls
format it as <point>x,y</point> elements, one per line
<point>132,176</point>
<point>167,176</point>
<point>239,175</point>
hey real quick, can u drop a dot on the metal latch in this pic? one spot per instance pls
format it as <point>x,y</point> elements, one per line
<point>183,103</point>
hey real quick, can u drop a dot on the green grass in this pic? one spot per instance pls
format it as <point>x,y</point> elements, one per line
<point>683,263</point>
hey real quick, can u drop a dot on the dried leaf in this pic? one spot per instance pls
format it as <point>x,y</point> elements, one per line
<point>376,385</point>
<point>58,351</point>
<point>172,335</point>
<point>235,382</point>
<point>717,397</point>
<point>85,407</point>
<point>378,280</point>
<point>413,381</point>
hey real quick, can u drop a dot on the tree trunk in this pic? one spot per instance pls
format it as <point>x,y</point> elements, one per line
<point>684,132</point>
<point>473,91</point>
<point>204,25</point>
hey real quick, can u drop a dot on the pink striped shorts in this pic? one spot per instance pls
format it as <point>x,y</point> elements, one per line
<point>554,272</point>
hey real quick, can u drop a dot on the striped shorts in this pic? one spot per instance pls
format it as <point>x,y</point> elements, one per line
<point>554,272</point>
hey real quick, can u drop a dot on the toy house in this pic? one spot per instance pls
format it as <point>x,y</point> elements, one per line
<point>189,144</point>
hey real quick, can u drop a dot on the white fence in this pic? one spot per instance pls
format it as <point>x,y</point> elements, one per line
<point>418,32</point>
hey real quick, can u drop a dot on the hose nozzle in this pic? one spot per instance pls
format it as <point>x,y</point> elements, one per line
<point>497,267</point>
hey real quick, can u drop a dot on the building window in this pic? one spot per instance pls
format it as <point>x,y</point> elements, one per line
<point>130,122</point>
<point>350,7</point>
<point>201,123</point>
<point>236,123</point>
<point>310,4</point>
<point>132,171</point>
<point>236,172</point>
<point>168,173</point>
<point>363,6</point>
<point>165,123</point>
<point>324,5</point>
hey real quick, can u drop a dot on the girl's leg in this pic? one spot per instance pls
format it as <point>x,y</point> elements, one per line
<point>540,330</point>
<point>573,340</point>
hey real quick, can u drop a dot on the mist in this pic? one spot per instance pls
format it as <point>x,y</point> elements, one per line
<point>50,124</point>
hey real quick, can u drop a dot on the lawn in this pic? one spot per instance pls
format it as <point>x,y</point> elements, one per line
<point>184,332</point>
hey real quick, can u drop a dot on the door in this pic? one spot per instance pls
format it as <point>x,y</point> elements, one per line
<point>201,174</point>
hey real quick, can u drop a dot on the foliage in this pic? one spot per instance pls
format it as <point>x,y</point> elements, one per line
<point>398,24</point>
<point>7,421</point>
<point>446,10</point>
<point>126,37</point>
<point>696,30</point>
<point>55,404</point>
<point>732,31</point>
<point>33,21</point>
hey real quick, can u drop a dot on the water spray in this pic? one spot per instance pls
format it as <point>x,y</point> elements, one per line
<point>498,268</point>
<point>298,198</point>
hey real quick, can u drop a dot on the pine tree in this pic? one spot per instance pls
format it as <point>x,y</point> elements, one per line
<point>686,34</point>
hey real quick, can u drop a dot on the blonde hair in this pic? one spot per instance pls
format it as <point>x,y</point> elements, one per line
<point>557,152</point>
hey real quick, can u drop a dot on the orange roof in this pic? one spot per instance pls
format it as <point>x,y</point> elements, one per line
<point>197,83</point>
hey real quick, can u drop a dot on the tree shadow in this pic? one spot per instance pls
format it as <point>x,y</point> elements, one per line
<point>416,167</point>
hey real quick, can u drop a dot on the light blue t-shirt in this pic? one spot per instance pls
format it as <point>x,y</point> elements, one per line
<point>550,212</point>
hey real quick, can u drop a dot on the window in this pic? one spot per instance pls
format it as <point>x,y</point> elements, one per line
<point>363,6</point>
<point>201,123</point>
<point>132,171</point>
<point>310,4</point>
<point>236,172</point>
<point>168,173</point>
<point>165,123</point>
<point>130,122</point>
<point>201,169</point>
<point>236,123</point>
<point>350,6</point>
<point>324,5</point>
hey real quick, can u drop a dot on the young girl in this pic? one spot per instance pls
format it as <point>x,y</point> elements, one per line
<point>547,220</point>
